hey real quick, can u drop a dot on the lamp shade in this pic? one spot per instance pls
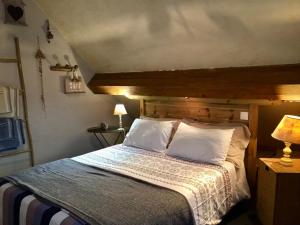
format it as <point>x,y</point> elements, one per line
<point>120,109</point>
<point>288,130</point>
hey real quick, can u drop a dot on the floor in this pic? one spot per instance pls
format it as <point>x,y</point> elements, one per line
<point>241,214</point>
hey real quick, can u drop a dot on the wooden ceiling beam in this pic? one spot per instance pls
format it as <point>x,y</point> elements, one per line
<point>274,82</point>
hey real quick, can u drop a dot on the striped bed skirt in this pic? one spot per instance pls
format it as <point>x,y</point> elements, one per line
<point>21,207</point>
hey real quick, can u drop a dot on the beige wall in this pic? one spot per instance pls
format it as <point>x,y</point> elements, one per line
<point>138,35</point>
<point>61,131</point>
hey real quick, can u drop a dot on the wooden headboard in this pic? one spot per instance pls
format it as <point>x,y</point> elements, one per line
<point>195,109</point>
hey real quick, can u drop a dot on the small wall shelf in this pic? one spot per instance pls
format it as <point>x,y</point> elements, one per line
<point>65,68</point>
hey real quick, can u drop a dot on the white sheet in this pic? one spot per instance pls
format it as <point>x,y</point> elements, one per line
<point>210,190</point>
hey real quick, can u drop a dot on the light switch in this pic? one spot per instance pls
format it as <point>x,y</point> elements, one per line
<point>244,116</point>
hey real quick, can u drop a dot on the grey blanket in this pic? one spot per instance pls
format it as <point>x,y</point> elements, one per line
<point>104,198</point>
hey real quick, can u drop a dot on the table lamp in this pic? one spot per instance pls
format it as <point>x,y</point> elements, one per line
<point>288,131</point>
<point>120,110</point>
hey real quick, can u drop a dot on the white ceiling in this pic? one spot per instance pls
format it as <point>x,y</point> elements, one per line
<point>135,35</point>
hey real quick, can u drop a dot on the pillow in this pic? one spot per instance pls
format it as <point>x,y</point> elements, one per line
<point>149,134</point>
<point>200,145</point>
<point>176,123</point>
<point>239,142</point>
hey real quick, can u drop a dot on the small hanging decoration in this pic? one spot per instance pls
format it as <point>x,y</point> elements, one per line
<point>40,56</point>
<point>14,12</point>
<point>49,35</point>
<point>74,83</point>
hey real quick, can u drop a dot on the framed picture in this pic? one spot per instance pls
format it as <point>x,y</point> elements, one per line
<point>73,86</point>
<point>14,12</point>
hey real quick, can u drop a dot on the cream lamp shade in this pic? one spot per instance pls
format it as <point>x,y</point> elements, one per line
<point>288,131</point>
<point>119,111</point>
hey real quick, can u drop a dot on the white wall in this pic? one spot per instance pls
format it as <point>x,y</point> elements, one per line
<point>61,131</point>
<point>139,35</point>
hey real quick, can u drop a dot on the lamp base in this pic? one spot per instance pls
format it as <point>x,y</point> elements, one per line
<point>286,159</point>
<point>120,121</point>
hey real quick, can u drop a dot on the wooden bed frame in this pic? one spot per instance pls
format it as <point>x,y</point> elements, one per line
<point>196,109</point>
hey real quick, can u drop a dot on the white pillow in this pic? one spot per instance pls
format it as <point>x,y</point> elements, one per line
<point>239,142</point>
<point>175,122</point>
<point>149,134</point>
<point>200,145</point>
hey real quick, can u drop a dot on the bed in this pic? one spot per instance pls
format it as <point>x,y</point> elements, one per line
<point>125,185</point>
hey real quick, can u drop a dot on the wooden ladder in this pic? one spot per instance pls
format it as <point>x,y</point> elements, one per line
<point>18,61</point>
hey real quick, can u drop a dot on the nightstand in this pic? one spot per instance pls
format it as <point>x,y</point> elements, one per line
<point>121,132</point>
<point>278,192</point>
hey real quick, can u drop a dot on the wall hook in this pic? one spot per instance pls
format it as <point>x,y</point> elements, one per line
<point>50,36</point>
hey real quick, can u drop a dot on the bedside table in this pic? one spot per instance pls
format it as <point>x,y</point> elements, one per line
<point>111,130</point>
<point>278,192</point>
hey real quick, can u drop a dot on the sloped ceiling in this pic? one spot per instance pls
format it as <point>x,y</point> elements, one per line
<point>139,35</point>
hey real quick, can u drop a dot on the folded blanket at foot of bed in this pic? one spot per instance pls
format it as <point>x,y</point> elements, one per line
<point>101,197</point>
<point>20,207</point>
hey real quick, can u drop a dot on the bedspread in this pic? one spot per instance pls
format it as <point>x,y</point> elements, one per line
<point>207,188</point>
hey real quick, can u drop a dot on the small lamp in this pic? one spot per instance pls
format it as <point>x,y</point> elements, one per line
<point>120,110</point>
<point>288,131</point>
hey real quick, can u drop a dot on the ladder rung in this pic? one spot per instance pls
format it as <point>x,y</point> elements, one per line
<point>13,152</point>
<point>7,60</point>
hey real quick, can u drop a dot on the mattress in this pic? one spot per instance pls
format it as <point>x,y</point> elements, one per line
<point>206,191</point>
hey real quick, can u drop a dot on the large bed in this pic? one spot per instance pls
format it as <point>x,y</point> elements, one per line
<point>123,185</point>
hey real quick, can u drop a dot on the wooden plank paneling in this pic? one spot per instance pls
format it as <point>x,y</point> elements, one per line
<point>193,109</point>
<point>251,156</point>
<point>275,82</point>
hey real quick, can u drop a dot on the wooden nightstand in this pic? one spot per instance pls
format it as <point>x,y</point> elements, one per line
<point>278,192</point>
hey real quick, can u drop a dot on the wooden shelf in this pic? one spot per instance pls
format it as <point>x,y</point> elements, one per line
<point>61,68</point>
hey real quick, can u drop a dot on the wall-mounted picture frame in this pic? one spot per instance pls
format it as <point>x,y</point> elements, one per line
<point>14,12</point>
<point>73,86</point>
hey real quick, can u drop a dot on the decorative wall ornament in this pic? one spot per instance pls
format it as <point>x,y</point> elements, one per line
<point>49,35</point>
<point>14,12</point>
<point>39,55</point>
<point>74,83</point>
